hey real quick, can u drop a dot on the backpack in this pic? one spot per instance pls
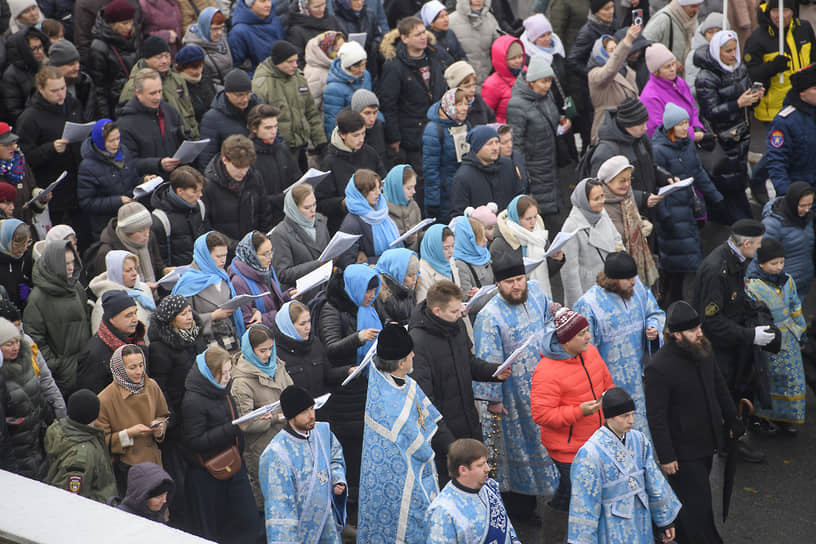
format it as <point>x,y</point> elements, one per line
<point>161,217</point>
<point>89,259</point>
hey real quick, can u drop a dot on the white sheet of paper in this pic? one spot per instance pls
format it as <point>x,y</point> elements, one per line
<point>313,279</point>
<point>76,132</point>
<point>338,245</point>
<point>558,242</point>
<point>147,187</point>
<point>668,189</point>
<point>413,230</point>
<point>321,401</point>
<point>189,150</point>
<point>48,190</point>
<point>369,356</point>
<point>515,355</point>
<point>240,300</point>
<point>257,412</point>
<point>485,291</point>
<point>313,177</point>
<point>359,37</point>
<point>172,277</point>
<point>532,264</point>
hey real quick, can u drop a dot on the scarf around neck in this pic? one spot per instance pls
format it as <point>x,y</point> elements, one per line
<point>356,278</point>
<point>580,200</point>
<point>14,168</point>
<point>291,211</point>
<point>142,253</point>
<point>689,24</point>
<point>383,229</point>
<point>115,263</point>
<point>626,217</point>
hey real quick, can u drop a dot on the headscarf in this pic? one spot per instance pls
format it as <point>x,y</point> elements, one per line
<point>193,281</point>
<point>291,211</point>
<point>356,278</point>
<point>580,199</point>
<point>599,55</point>
<point>60,232</point>
<point>14,168</point>
<point>52,262</point>
<point>303,7</point>
<point>205,21</point>
<point>117,367</point>
<point>284,322</point>
<point>383,228</point>
<point>7,228</point>
<point>788,205</point>
<point>717,41</point>
<point>115,263</point>
<point>245,251</point>
<point>98,139</point>
<point>465,247</point>
<point>432,252</point>
<point>168,309</point>
<point>326,41</point>
<point>201,363</point>
<point>448,103</point>
<point>270,366</point>
<point>392,186</point>
<point>394,262</point>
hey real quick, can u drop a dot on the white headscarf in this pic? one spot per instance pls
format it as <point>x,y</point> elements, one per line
<point>717,41</point>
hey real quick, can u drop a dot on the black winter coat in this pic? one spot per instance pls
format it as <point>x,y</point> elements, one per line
<point>278,170</point>
<point>86,95</point>
<point>295,252</point>
<point>476,184</point>
<point>110,59</point>
<point>354,224</point>
<point>186,224</point>
<point>448,47</point>
<point>580,50</point>
<point>206,417</point>
<point>307,364</point>
<point>302,28</point>
<point>445,368</point>
<point>234,213</point>
<point>17,84</point>
<point>718,91</point>
<point>93,370</point>
<point>375,137</point>
<point>686,401</point>
<point>222,120</point>
<point>13,272</point>
<point>480,113</point>
<point>142,135</point>
<point>202,94</point>
<point>395,303</point>
<point>350,23</point>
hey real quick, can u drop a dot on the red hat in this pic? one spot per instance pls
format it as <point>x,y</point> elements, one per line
<point>6,135</point>
<point>118,11</point>
<point>568,323</point>
<point>8,192</point>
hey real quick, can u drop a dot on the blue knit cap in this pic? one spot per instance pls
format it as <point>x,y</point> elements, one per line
<point>673,115</point>
<point>479,135</point>
<point>189,54</point>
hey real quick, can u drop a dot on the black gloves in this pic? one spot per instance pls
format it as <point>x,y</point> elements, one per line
<point>320,149</point>
<point>779,63</point>
<point>708,142</point>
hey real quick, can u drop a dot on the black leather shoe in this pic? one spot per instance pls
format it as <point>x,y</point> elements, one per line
<point>787,428</point>
<point>748,454</point>
<point>764,427</point>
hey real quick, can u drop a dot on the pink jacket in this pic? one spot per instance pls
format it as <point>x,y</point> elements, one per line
<point>498,87</point>
<point>658,92</point>
<point>160,17</point>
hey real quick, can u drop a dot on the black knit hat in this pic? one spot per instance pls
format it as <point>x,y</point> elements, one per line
<point>153,46</point>
<point>83,406</point>
<point>681,316</point>
<point>394,343</point>
<point>596,5</point>
<point>616,401</point>
<point>294,400</point>
<point>281,51</point>
<point>9,310</point>
<point>115,302</point>
<point>620,266</point>
<point>748,227</point>
<point>771,248</point>
<point>507,264</point>
<point>237,81</point>
<point>804,79</point>
<point>631,113</point>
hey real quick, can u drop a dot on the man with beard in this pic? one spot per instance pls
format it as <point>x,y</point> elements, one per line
<point>63,55</point>
<point>624,319</point>
<point>520,312</point>
<point>686,401</point>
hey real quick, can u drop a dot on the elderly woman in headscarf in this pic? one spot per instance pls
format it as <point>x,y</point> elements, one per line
<point>132,412</point>
<point>15,239</point>
<point>595,238</point>
<point>122,272</point>
<point>209,33</point>
<point>130,231</point>
<point>251,273</point>
<point>398,269</point>
<point>399,188</point>
<point>435,253</point>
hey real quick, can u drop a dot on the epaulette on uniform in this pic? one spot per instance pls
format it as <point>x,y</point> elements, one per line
<point>787,110</point>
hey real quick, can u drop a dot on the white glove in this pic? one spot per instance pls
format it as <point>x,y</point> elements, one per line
<point>763,335</point>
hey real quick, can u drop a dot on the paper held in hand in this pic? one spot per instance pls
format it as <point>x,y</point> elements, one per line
<point>338,245</point>
<point>532,264</point>
<point>235,303</point>
<point>147,187</point>
<point>369,356</point>
<point>320,402</point>
<point>413,230</point>
<point>313,279</point>
<point>189,150</point>
<point>172,277</point>
<point>76,132</point>
<point>485,291</point>
<point>359,37</point>
<point>48,190</point>
<point>313,177</point>
<point>668,189</point>
<point>559,242</point>
<point>516,354</point>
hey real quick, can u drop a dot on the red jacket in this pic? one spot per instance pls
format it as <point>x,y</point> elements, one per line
<point>559,386</point>
<point>498,87</point>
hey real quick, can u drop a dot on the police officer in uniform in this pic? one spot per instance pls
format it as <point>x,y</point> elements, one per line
<point>731,320</point>
<point>792,134</point>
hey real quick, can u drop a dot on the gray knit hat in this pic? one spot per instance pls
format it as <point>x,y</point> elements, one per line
<point>62,53</point>
<point>363,98</point>
<point>539,68</point>
<point>133,217</point>
<point>7,331</point>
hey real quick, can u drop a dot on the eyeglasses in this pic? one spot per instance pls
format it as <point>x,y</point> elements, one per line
<point>266,254</point>
<point>35,48</point>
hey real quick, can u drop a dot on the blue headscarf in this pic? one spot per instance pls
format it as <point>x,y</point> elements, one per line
<point>205,21</point>
<point>7,228</point>
<point>512,210</point>
<point>115,263</point>
<point>394,262</point>
<point>193,281</point>
<point>432,252</point>
<point>465,247</point>
<point>270,366</point>
<point>201,363</point>
<point>382,227</point>
<point>98,140</point>
<point>392,186</point>
<point>284,322</point>
<point>356,278</point>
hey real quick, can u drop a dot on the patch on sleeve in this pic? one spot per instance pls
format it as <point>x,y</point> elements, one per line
<point>712,309</point>
<point>776,138</point>
<point>74,484</point>
<point>747,57</point>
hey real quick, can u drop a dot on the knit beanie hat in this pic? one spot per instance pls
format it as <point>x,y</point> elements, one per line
<point>507,264</point>
<point>62,53</point>
<point>568,323</point>
<point>457,72</point>
<point>133,217</point>
<point>657,55</point>
<point>486,214</point>
<point>597,5</point>
<point>539,68</point>
<point>430,11</point>
<point>673,115</point>
<point>620,266</point>
<point>237,81</point>
<point>170,307</point>
<point>514,50</point>
<point>479,135</point>
<point>681,316</point>
<point>615,402</point>
<point>114,302</point>
<point>281,51</point>
<point>9,310</point>
<point>118,11</point>
<point>8,192</point>
<point>394,343</point>
<point>83,406</point>
<point>294,400</point>
<point>7,331</point>
<point>770,249</point>
<point>631,113</point>
<point>363,98</point>
<point>189,54</point>
<point>154,45</point>
<point>536,26</point>
<point>611,167</point>
<point>803,79</point>
<point>689,2</point>
<point>351,53</point>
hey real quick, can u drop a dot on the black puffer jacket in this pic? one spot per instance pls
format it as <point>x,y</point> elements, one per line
<point>202,93</point>
<point>90,107</point>
<point>141,134</point>
<point>13,273</point>
<point>17,83</point>
<point>476,184</point>
<point>331,191</point>
<point>186,224</point>
<point>301,28</point>
<point>222,120</point>
<point>579,53</point>
<point>718,91</point>
<point>395,302</point>
<point>234,212</point>
<point>307,364</point>
<point>110,59</point>
<point>278,169</point>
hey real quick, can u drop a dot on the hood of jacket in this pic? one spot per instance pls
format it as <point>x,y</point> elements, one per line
<point>422,318</point>
<point>19,53</point>
<point>242,14</point>
<point>609,130</point>
<point>337,74</point>
<point>49,271</point>
<point>314,56</point>
<point>141,480</point>
<point>598,56</point>
<point>160,199</point>
<point>391,46</point>
<point>193,37</point>
<point>222,104</point>
<point>552,348</point>
<point>498,55</point>
<point>702,59</point>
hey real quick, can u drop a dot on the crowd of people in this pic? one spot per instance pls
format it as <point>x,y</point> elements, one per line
<point>571,326</point>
